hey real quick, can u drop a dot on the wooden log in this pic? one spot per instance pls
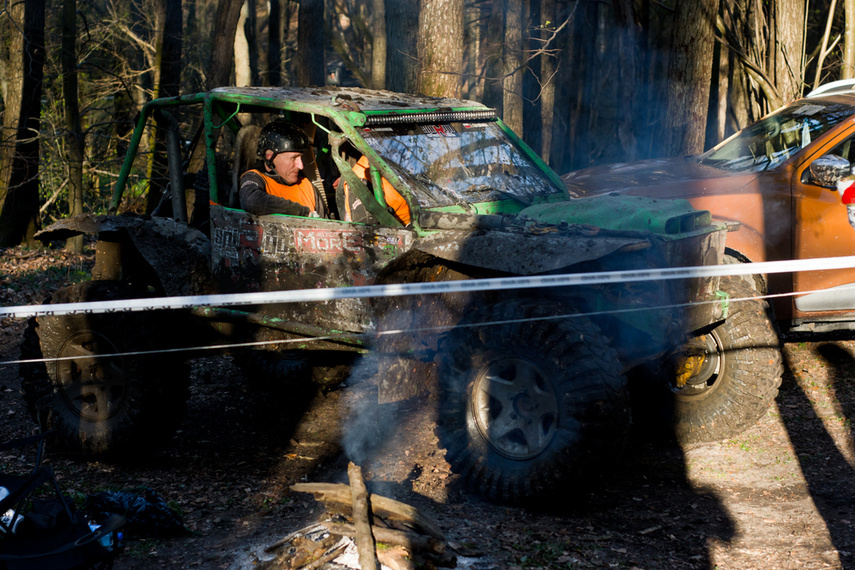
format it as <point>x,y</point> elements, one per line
<point>431,560</point>
<point>285,540</point>
<point>332,493</point>
<point>410,540</point>
<point>337,551</point>
<point>361,510</point>
<point>396,558</point>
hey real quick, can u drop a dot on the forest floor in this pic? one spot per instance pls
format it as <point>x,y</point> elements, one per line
<point>779,496</point>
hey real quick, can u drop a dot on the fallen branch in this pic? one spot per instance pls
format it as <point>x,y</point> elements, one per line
<point>285,540</point>
<point>361,512</point>
<point>409,540</point>
<point>338,495</point>
<point>328,557</point>
<point>396,558</point>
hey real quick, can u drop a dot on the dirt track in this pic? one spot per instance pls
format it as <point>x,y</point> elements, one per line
<point>782,495</point>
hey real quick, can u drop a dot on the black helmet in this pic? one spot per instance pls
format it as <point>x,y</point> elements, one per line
<point>280,136</point>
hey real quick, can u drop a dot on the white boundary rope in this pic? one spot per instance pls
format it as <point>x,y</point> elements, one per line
<point>327,294</point>
<point>386,332</point>
<point>396,290</point>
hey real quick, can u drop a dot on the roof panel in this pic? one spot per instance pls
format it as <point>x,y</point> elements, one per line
<point>349,98</point>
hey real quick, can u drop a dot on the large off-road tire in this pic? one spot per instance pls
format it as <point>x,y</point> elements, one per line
<point>527,403</point>
<point>97,404</point>
<point>736,372</point>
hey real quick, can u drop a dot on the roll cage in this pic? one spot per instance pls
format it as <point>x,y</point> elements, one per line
<point>341,119</point>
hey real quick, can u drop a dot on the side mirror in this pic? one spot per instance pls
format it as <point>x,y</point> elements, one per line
<point>828,169</point>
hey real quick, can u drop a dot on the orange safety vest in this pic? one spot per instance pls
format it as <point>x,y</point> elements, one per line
<point>302,192</point>
<point>392,196</point>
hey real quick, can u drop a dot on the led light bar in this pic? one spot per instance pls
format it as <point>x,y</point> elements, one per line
<point>432,117</point>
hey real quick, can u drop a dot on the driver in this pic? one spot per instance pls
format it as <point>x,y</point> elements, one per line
<point>281,188</point>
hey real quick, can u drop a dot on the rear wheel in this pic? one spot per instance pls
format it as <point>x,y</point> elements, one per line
<point>526,403</point>
<point>98,403</point>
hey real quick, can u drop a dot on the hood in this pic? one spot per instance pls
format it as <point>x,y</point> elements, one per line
<point>656,178</point>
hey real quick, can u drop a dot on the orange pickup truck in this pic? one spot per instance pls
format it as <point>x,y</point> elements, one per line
<point>778,179</point>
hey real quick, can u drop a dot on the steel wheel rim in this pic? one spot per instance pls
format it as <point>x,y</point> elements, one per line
<point>705,380</point>
<point>91,386</point>
<point>514,407</point>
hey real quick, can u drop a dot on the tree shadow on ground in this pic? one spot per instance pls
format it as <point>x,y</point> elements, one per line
<point>827,472</point>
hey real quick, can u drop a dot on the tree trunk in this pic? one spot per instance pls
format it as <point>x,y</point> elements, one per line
<point>717,114</point>
<point>689,76</point>
<point>378,46</point>
<point>168,77</point>
<point>627,47</point>
<point>74,136</point>
<point>251,32</point>
<point>310,40</point>
<point>243,73</point>
<point>847,66</point>
<point>170,56</point>
<point>548,68</point>
<point>19,200</point>
<point>560,154</point>
<point>532,84</point>
<point>12,78</point>
<point>402,17</point>
<point>440,47</point>
<point>274,45</point>
<point>493,51</point>
<point>512,72</point>
<point>228,12</point>
<point>788,47</point>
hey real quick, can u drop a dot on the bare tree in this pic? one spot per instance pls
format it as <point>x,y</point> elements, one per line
<point>243,69</point>
<point>74,135</point>
<point>847,66</point>
<point>378,45</point>
<point>440,47</point>
<point>167,81</point>
<point>512,67</point>
<point>19,196</point>
<point>273,75</point>
<point>310,68</point>
<point>493,53</point>
<point>548,69</point>
<point>689,76</point>
<point>786,46</point>
<point>228,13</point>
<point>401,63</point>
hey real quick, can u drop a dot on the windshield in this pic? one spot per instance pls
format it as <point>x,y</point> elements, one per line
<point>459,163</point>
<point>769,142</point>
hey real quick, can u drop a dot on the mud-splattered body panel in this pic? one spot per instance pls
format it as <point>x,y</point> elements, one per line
<point>276,253</point>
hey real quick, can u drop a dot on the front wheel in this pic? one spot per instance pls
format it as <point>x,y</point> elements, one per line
<point>725,380</point>
<point>95,402</point>
<point>527,401</point>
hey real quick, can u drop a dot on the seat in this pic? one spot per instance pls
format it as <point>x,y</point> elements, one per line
<point>246,145</point>
<point>41,530</point>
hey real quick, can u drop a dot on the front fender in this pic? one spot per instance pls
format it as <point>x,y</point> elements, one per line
<point>178,254</point>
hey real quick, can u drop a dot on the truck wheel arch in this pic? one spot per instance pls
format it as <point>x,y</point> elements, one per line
<point>171,256</point>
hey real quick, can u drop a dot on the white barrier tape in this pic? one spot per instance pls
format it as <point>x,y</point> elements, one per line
<point>396,290</point>
<point>384,332</point>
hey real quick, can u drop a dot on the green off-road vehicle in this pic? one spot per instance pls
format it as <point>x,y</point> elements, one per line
<point>530,382</point>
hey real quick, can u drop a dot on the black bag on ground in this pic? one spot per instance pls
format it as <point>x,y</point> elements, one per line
<point>146,512</point>
<point>47,533</point>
